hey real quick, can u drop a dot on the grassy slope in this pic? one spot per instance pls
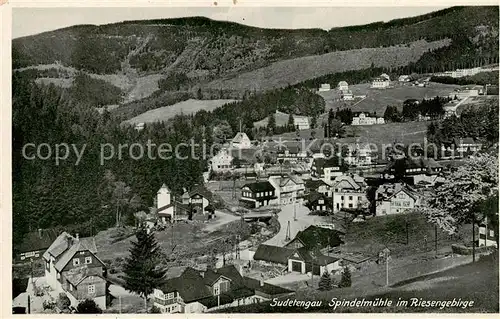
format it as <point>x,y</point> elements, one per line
<point>289,72</point>
<point>186,107</point>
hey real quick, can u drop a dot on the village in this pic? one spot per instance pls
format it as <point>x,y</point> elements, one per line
<point>274,217</point>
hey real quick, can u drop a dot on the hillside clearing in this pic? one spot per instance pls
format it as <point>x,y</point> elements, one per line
<point>186,107</point>
<point>289,72</point>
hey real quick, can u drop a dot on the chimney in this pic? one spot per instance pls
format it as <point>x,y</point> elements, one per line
<point>77,237</point>
<point>69,239</point>
<point>40,232</point>
<point>240,269</point>
<point>262,283</point>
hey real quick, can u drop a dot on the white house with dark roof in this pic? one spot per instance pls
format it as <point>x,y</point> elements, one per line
<point>349,192</point>
<point>222,161</point>
<point>72,267</point>
<point>257,194</point>
<point>289,189</point>
<point>393,199</point>
<point>381,82</point>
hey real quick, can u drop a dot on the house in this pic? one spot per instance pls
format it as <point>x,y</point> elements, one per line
<point>404,78</point>
<point>487,234</point>
<point>289,189</point>
<point>363,119</point>
<point>343,86</point>
<point>464,93</point>
<point>257,194</point>
<point>301,122</point>
<point>199,198</point>
<point>466,145</point>
<point>222,161</point>
<point>273,254</point>
<point>72,267</point>
<point>316,238</point>
<point>139,127</point>
<point>34,244</point>
<point>168,209</point>
<point>327,168</point>
<point>394,199</point>
<point>324,87</point>
<point>359,155</point>
<point>318,202</point>
<point>241,141</point>
<point>317,185</point>
<point>381,82</point>
<point>349,192</point>
<point>290,152</point>
<point>347,95</point>
<point>412,170</point>
<point>305,261</point>
<point>197,291</point>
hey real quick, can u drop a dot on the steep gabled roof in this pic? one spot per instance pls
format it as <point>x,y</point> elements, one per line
<point>315,184</point>
<point>273,254</point>
<point>265,288</point>
<point>240,136</point>
<point>201,190</point>
<point>260,186</point>
<point>190,285</point>
<point>319,237</point>
<point>344,180</point>
<point>81,244</point>
<point>76,275</point>
<point>313,256</point>
<point>60,245</point>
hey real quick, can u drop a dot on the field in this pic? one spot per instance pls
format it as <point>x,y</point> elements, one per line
<point>186,107</point>
<point>373,235</point>
<point>283,73</point>
<point>377,100</point>
<point>409,132</point>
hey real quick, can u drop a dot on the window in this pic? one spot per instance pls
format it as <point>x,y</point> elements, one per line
<point>350,197</point>
<point>350,205</point>
<point>170,295</point>
<point>91,289</point>
<point>492,233</point>
<point>359,197</point>
<point>70,287</point>
<point>76,261</point>
<point>341,197</point>
<point>216,290</point>
<point>58,276</point>
<point>88,260</point>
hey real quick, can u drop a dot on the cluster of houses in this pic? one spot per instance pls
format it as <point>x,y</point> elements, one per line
<point>459,73</point>
<point>363,119</point>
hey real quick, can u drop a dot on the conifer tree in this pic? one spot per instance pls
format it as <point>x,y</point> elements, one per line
<point>345,281</point>
<point>142,273</point>
<point>325,282</point>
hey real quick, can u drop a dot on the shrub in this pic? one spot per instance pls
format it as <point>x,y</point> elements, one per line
<point>63,302</point>
<point>155,310</point>
<point>88,306</point>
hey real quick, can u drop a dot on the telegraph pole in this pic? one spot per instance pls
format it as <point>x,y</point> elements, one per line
<point>436,239</point>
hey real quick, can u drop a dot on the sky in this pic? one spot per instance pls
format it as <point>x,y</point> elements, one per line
<point>29,21</point>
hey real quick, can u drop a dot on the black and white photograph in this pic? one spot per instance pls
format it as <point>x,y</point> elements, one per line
<point>231,159</point>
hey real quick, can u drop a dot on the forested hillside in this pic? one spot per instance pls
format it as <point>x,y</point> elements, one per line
<point>199,50</point>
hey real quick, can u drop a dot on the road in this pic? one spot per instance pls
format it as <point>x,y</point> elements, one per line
<point>286,215</point>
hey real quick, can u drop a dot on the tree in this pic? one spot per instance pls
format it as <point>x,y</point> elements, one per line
<point>142,273</point>
<point>63,302</point>
<point>463,191</point>
<point>345,280</point>
<point>291,122</point>
<point>221,132</point>
<point>335,128</point>
<point>325,282</point>
<point>314,122</point>
<point>271,124</point>
<point>88,306</point>
<point>489,207</point>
